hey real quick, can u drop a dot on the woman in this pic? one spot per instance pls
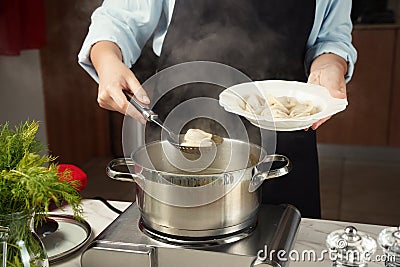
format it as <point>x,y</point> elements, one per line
<point>265,39</point>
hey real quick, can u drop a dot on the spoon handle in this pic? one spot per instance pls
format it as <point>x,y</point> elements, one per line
<point>147,113</point>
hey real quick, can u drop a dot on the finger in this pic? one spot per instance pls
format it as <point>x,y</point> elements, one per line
<point>115,103</point>
<point>134,113</point>
<point>339,92</point>
<point>319,123</point>
<point>119,99</point>
<point>137,89</point>
<point>131,112</point>
<point>314,78</point>
<point>306,129</point>
<point>335,84</point>
<point>105,100</point>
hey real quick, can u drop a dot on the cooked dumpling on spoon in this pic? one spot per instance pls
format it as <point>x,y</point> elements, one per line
<point>200,138</point>
<point>197,138</point>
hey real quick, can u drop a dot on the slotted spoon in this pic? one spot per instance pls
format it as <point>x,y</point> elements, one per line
<point>172,138</point>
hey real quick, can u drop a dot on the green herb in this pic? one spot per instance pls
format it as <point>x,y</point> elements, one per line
<point>26,183</point>
<point>29,182</point>
<point>15,144</point>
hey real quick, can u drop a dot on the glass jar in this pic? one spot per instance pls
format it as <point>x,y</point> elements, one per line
<point>351,247</point>
<point>389,240</point>
<point>19,245</point>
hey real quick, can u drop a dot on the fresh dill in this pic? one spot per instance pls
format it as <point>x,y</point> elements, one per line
<point>28,181</point>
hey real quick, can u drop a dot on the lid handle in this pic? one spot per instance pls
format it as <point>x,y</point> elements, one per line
<point>351,234</point>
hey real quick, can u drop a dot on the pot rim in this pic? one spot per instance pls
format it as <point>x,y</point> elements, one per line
<point>263,152</point>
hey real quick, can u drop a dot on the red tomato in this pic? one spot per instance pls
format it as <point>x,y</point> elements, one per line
<point>77,174</point>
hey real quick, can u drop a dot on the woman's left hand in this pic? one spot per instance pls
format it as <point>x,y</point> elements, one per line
<point>328,70</point>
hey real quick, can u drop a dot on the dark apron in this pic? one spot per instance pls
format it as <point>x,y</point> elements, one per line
<point>265,39</point>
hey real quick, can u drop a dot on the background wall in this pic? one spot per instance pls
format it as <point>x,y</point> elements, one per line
<point>21,90</point>
<point>78,130</point>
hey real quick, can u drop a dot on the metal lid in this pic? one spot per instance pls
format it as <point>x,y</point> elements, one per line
<point>389,240</point>
<point>352,247</point>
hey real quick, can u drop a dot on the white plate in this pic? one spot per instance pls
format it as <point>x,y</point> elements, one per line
<point>232,99</point>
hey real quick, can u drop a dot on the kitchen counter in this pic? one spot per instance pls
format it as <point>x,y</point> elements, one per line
<point>311,235</point>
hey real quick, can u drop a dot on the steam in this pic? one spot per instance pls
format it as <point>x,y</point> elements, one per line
<point>224,40</point>
<point>232,34</point>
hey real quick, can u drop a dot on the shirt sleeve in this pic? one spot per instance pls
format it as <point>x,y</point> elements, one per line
<point>333,34</point>
<point>128,23</point>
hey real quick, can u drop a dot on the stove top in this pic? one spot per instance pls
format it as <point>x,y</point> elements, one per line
<point>123,243</point>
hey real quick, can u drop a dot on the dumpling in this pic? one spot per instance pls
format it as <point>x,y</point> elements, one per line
<point>290,107</point>
<point>288,102</point>
<point>302,110</point>
<point>255,100</point>
<point>258,110</point>
<point>255,104</point>
<point>276,106</point>
<point>276,113</point>
<point>241,103</point>
<point>197,138</point>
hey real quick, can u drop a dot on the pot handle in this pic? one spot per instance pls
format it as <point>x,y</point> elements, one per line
<point>263,173</point>
<point>117,175</point>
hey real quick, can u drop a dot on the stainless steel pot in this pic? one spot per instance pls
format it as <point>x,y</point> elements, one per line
<point>220,197</point>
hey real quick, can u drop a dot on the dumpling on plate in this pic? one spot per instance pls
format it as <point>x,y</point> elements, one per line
<point>287,101</point>
<point>254,104</point>
<point>275,112</point>
<point>282,107</point>
<point>275,104</point>
<point>290,107</point>
<point>302,110</point>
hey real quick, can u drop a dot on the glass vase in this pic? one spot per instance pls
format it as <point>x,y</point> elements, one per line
<point>19,245</point>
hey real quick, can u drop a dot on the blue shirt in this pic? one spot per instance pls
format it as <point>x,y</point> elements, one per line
<point>130,23</point>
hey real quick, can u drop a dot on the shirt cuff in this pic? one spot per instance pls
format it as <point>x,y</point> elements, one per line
<point>130,52</point>
<point>337,48</point>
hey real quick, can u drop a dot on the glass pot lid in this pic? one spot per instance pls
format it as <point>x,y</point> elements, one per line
<point>389,239</point>
<point>352,247</point>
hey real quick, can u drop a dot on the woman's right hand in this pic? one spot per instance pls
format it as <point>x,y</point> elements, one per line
<point>114,77</point>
